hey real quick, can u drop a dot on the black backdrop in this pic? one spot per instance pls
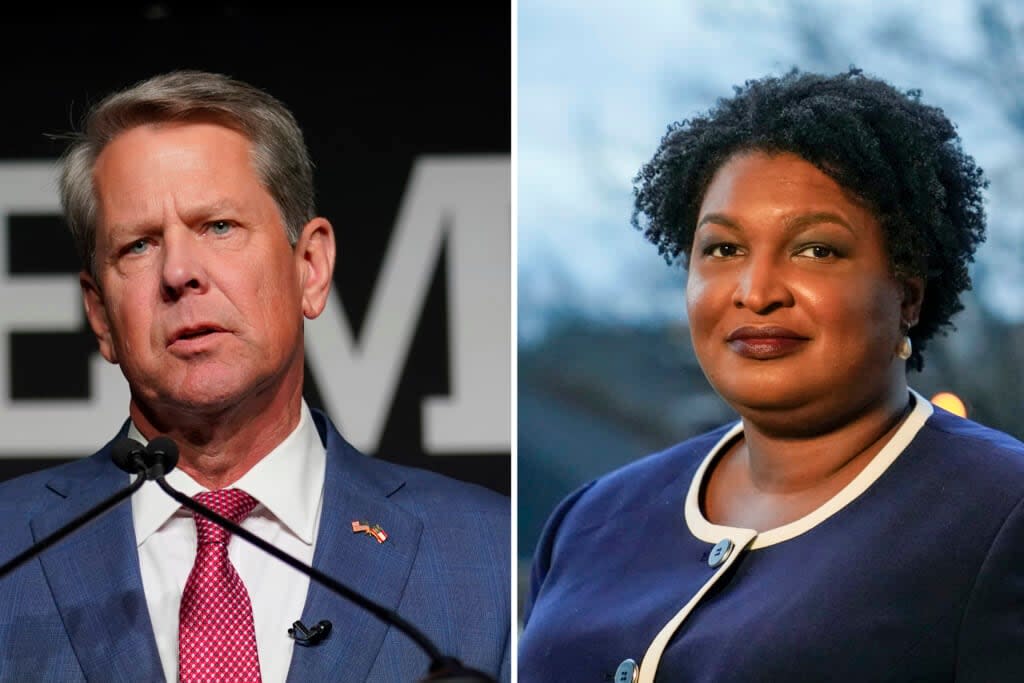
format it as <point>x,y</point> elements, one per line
<point>372,92</point>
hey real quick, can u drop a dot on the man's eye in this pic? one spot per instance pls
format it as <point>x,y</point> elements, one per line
<point>138,247</point>
<point>220,227</point>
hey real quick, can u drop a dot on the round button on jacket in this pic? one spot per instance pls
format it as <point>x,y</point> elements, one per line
<point>628,672</point>
<point>720,553</point>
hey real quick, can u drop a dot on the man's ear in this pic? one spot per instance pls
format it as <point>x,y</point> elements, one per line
<point>96,312</point>
<point>913,297</point>
<point>315,254</point>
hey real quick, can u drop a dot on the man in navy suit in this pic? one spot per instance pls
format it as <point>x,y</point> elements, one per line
<point>190,198</point>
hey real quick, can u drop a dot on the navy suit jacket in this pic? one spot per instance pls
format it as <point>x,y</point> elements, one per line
<point>78,612</point>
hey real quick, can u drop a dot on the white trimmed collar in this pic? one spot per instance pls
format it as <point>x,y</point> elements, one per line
<point>288,483</point>
<point>712,533</point>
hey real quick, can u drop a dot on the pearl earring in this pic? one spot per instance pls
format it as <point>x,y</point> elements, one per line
<point>905,348</point>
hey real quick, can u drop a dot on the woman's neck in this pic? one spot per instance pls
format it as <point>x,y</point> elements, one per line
<point>777,463</point>
<point>770,478</point>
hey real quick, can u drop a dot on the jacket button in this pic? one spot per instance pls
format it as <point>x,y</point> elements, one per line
<point>720,553</point>
<point>628,672</point>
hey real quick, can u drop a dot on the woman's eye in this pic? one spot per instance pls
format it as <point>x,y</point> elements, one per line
<point>220,227</point>
<point>722,250</point>
<point>818,251</point>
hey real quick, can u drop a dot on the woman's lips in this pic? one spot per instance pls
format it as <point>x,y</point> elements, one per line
<point>765,343</point>
<point>766,348</point>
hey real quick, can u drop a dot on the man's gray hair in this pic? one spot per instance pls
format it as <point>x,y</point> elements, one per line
<point>279,153</point>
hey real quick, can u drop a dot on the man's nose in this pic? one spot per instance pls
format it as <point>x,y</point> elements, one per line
<point>183,267</point>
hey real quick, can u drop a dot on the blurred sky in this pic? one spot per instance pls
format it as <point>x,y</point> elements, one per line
<point>599,82</point>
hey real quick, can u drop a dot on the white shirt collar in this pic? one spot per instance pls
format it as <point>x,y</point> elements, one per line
<point>712,533</point>
<point>288,482</point>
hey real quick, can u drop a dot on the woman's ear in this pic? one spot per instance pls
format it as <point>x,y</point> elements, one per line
<point>913,297</point>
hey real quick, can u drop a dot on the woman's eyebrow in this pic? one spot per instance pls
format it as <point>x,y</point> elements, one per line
<point>792,224</point>
<point>718,219</point>
<point>803,220</point>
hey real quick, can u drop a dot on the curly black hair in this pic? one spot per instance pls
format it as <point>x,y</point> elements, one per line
<point>901,157</point>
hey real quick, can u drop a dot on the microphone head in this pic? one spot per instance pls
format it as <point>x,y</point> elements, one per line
<point>127,454</point>
<point>163,455</point>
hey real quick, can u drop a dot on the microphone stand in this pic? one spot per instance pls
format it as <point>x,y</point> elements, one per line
<point>442,668</point>
<point>76,523</point>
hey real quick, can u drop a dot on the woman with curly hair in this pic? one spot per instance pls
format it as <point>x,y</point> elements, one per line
<point>844,528</point>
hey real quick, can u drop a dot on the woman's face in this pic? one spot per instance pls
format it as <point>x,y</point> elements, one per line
<point>794,311</point>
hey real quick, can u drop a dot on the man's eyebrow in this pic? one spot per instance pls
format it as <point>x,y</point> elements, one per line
<point>792,224</point>
<point>214,207</point>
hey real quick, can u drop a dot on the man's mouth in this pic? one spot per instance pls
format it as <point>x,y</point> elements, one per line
<point>195,332</point>
<point>192,334</point>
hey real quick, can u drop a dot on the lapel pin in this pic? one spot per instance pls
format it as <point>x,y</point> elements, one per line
<point>371,529</point>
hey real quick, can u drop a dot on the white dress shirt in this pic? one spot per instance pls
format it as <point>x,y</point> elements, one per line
<point>288,483</point>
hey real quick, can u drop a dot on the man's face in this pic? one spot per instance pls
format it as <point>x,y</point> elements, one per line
<point>198,294</point>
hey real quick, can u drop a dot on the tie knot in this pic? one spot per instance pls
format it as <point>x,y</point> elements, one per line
<point>234,504</point>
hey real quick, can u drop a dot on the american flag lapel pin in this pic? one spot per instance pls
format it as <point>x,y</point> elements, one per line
<point>374,530</point>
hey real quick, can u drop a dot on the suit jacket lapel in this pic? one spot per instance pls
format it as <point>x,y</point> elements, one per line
<point>355,489</point>
<point>94,577</point>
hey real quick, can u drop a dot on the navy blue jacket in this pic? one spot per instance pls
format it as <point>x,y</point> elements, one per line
<point>917,577</point>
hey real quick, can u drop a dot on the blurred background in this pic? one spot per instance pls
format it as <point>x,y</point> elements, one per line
<point>606,369</point>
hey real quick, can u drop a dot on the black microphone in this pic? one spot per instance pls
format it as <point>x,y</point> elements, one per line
<point>162,452</point>
<point>127,454</point>
<point>161,457</point>
<point>310,635</point>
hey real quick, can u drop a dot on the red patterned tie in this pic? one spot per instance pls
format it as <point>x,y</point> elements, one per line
<point>216,636</point>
